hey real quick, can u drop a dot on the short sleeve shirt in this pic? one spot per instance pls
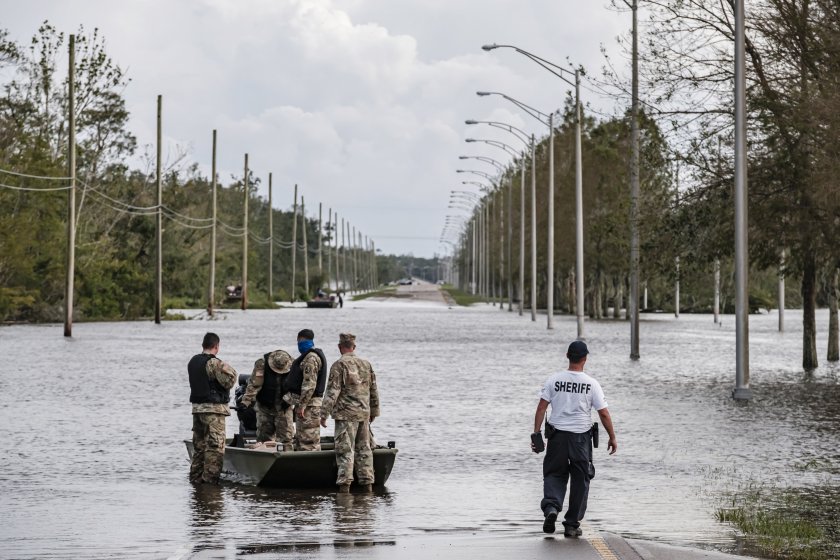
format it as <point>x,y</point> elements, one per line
<point>572,395</point>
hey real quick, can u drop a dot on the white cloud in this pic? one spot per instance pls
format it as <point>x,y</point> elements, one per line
<point>360,102</point>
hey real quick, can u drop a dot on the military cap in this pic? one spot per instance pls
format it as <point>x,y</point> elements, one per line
<point>347,339</point>
<point>280,361</point>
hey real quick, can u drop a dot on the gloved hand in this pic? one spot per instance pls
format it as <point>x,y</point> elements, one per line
<point>537,443</point>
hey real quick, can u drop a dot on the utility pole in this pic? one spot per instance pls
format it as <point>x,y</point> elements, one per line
<point>305,247</point>
<point>329,251</point>
<point>549,291</point>
<point>245,238</point>
<point>509,247</point>
<point>270,244</point>
<point>343,258</point>
<point>742,307</point>
<point>211,294</point>
<point>71,194</point>
<point>294,247</point>
<point>355,261</point>
<point>320,240</point>
<point>501,229</point>
<point>338,268</point>
<point>159,221</point>
<point>716,306</point>
<point>633,302</point>
<point>677,258</point>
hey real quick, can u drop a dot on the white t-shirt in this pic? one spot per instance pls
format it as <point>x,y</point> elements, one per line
<point>572,395</point>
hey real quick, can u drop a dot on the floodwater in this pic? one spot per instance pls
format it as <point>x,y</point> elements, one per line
<point>95,464</point>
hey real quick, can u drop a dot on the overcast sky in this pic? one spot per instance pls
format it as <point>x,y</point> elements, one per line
<point>360,102</point>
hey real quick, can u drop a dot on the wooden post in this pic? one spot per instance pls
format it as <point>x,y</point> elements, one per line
<point>292,296</point>
<point>211,294</point>
<point>320,240</point>
<point>305,247</point>
<point>329,252</point>
<point>71,194</point>
<point>270,244</point>
<point>246,194</point>
<point>159,222</point>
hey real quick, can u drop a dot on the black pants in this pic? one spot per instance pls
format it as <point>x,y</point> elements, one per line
<point>567,454</point>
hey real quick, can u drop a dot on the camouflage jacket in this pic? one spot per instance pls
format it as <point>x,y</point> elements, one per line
<point>351,393</point>
<point>255,382</point>
<point>224,373</point>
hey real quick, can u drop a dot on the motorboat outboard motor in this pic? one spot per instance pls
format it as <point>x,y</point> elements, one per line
<point>247,416</point>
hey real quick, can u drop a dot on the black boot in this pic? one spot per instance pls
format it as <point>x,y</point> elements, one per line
<point>550,519</point>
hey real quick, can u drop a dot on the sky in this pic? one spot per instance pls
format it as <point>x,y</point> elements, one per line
<point>361,103</point>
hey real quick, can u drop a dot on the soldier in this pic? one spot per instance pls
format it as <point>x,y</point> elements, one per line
<point>353,400</point>
<point>304,388</point>
<point>210,382</point>
<point>274,416</point>
<point>572,395</point>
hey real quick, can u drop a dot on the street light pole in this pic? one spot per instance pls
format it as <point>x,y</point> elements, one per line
<point>533,229</point>
<point>549,292</point>
<point>742,348</point>
<point>634,195</point>
<point>578,208</point>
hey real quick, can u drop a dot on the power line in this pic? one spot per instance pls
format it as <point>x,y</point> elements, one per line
<point>46,178</point>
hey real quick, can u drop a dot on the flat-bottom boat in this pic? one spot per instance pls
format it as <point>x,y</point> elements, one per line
<point>295,469</point>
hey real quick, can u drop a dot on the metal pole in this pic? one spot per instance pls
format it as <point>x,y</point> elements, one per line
<point>354,255</point>
<point>522,237</point>
<point>343,256</point>
<point>159,221</point>
<point>270,244</point>
<point>337,261</point>
<point>305,247</point>
<point>510,245</point>
<point>293,295</point>
<point>501,229</point>
<point>742,348</point>
<point>533,229</point>
<point>211,294</point>
<point>578,208</point>
<point>716,307</point>
<point>474,253</point>
<point>246,194</point>
<point>549,292</point>
<point>633,302</point>
<point>782,292</point>
<point>71,193</point>
<point>677,258</point>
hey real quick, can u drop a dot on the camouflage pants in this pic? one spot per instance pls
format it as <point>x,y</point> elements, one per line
<point>353,452</point>
<point>274,423</point>
<point>208,447</point>
<point>308,429</point>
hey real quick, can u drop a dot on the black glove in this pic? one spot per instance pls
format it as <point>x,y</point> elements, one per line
<point>537,443</point>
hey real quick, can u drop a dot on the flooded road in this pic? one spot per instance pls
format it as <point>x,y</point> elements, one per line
<point>95,464</point>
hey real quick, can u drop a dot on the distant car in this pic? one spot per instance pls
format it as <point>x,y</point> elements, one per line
<point>405,282</point>
<point>440,282</point>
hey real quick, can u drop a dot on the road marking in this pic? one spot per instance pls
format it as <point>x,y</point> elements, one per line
<point>602,548</point>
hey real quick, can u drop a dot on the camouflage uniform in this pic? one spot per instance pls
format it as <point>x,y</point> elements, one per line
<point>209,427</point>
<point>353,400</point>
<point>307,429</point>
<point>273,422</point>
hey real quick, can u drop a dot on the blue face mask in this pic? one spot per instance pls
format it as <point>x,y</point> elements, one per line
<point>305,345</point>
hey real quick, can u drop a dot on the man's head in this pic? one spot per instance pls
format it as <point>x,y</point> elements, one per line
<point>577,353</point>
<point>306,334</point>
<point>346,342</point>
<point>210,344</point>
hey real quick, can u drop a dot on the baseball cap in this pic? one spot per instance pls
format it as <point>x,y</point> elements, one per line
<point>578,349</point>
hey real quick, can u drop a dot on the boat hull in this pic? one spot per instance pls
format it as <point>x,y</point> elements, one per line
<point>322,304</point>
<point>294,469</point>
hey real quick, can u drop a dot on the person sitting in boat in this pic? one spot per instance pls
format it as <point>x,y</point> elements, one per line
<point>274,416</point>
<point>246,414</point>
<point>304,389</point>
<point>320,294</point>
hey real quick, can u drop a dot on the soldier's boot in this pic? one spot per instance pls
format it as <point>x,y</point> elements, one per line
<point>344,488</point>
<point>366,488</point>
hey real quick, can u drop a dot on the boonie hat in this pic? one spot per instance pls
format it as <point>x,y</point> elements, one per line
<point>280,361</point>
<point>578,349</point>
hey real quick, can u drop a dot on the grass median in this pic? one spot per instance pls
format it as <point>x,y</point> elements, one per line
<point>461,297</point>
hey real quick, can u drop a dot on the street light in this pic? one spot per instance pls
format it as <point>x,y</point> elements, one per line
<point>491,161</point>
<point>522,137</point>
<point>559,72</point>
<point>546,119</point>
